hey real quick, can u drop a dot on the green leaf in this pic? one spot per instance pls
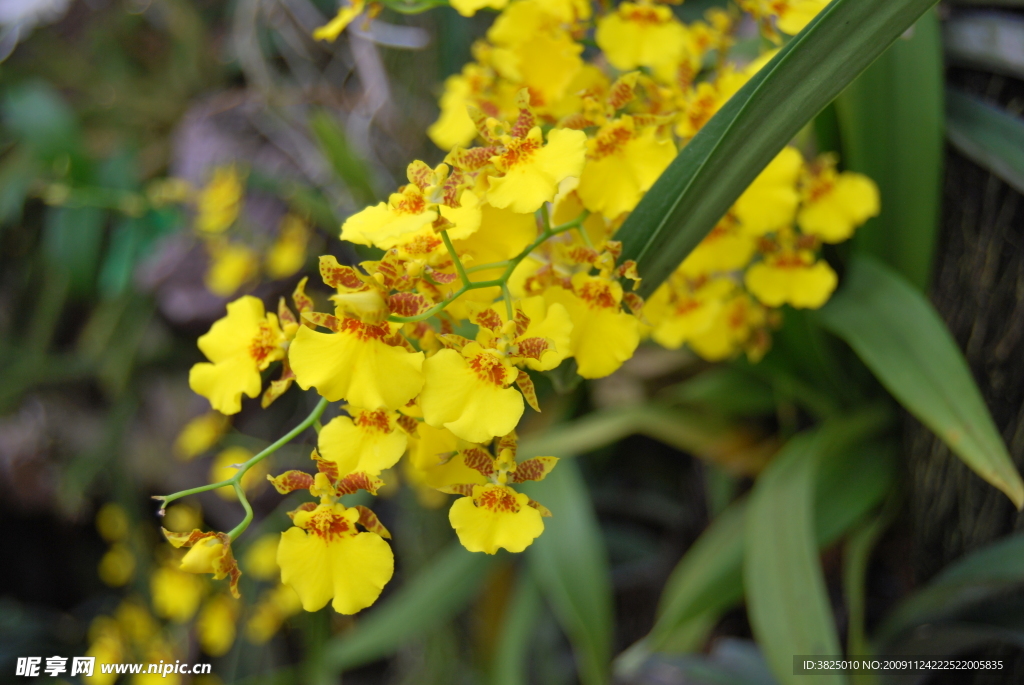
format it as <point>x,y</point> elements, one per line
<point>900,337</point>
<point>517,631</point>
<point>435,594</point>
<point>979,575</point>
<point>570,564</point>
<point>891,127</point>
<point>72,240</point>
<point>750,129</point>
<point>856,556</point>
<point>17,172</point>
<point>683,429</point>
<point>787,601</point>
<point>37,115</point>
<point>349,168</point>
<point>726,389</point>
<point>709,577</point>
<point>987,135</point>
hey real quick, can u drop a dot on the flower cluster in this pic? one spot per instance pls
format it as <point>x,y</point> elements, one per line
<point>235,259</point>
<point>501,262</point>
<point>180,602</point>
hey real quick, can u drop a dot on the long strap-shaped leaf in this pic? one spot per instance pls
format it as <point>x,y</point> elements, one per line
<point>786,596</point>
<point>899,335</point>
<point>989,136</point>
<point>732,148</point>
<point>570,564</point>
<point>709,578</point>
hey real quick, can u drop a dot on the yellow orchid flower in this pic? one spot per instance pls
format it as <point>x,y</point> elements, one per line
<point>324,558</point>
<point>239,347</point>
<point>623,162</point>
<point>792,277</point>
<point>369,441</point>
<point>468,8</point>
<point>770,202</point>
<point>835,204</point>
<point>363,363</point>
<point>493,515</point>
<point>603,336</point>
<point>208,553</point>
<point>468,393</point>
<point>640,34</point>
<point>219,201</point>
<point>346,15</point>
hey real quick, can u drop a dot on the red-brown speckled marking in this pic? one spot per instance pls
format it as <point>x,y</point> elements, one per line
<point>641,15</point>
<point>364,331</point>
<point>328,526</point>
<point>299,297</point>
<point>489,369</point>
<point>305,506</point>
<point>473,159</point>
<point>338,276</point>
<point>497,499</point>
<point>376,420</point>
<point>489,319</point>
<point>358,481</point>
<point>611,140</point>
<point>524,122</point>
<point>621,94</point>
<point>408,424</point>
<point>534,348</point>
<point>186,539</point>
<point>408,304</point>
<point>420,174</point>
<point>525,384</point>
<point>533,469</point>
<point>598,295</point>
<point>583,255</point>
<point>479,460</point>
<point>369,521</point>
<point>326,467</point>
<point>290,481</point>
<point>519,150</point>
<point>791,260</point>
<point>410,203</point>
<point>263,344</point>
<point>522,322</point>
<point>701,110</point>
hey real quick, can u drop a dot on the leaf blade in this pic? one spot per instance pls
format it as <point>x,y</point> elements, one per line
<point>787,600</point>
<point>987,135</point>
<point>892,129</point>
<point>900,337</point>
<point>570,564</point>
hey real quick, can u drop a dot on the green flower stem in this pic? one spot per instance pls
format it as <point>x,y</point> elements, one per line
<point>483,267</point>
<point>507,296</point>
<point>240,528</point>
<point>236,480</point>
<point>502,281</point>
<point>459,269</point>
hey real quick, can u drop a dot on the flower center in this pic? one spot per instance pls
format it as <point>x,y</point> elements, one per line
<point>610,141</point>
<point>364,331</point>
<point>377,420</point>
<point>263,344</point>
<point>519,150</point>
<point>489,369</point>
<point>328,526</point>
<point>498,499</point>
<point>598,295</point>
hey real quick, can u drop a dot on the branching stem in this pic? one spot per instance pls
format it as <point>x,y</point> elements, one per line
<point>236,480</point>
